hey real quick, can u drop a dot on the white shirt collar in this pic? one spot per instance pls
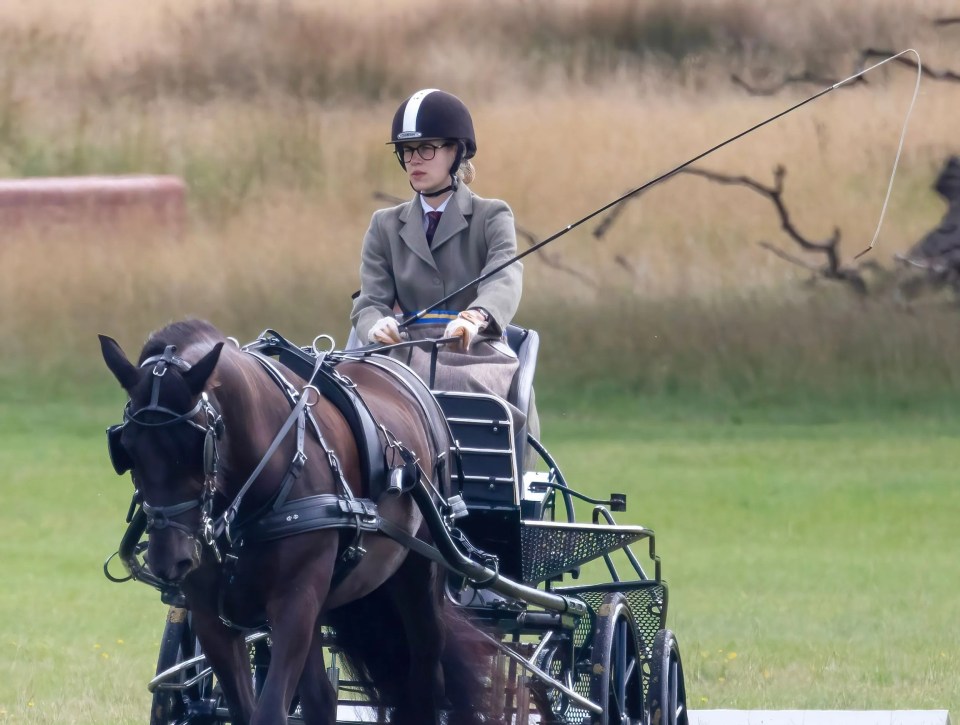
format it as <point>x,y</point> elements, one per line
<point>427,207</point>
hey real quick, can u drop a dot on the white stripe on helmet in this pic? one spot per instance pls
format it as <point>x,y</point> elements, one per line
<point>411,112</point>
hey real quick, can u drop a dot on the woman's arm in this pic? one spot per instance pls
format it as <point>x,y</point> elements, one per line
<point>500,294</point>
<point>378,290</point>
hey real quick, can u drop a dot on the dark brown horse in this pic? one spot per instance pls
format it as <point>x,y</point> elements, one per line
<point>204,430</point>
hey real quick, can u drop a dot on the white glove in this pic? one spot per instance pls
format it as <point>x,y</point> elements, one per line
<point>466,327</point>
<point>384,330</point>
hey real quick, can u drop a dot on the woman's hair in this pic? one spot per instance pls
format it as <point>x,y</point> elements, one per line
<point>467,172</point>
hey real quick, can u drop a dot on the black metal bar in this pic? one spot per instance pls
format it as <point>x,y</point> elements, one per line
<point>455,560</point>
<point>555,469</point>
<point>600,511</point>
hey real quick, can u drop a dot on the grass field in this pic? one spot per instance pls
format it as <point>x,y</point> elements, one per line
<point>810,552</point>
<point>792,443</point>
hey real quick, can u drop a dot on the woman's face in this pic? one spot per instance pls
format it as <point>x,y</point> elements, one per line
<point>431,174</point>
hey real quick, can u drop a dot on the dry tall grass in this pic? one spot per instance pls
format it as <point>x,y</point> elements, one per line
<point>276,113</point>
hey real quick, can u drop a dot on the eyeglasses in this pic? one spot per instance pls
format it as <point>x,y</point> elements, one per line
<point>426,151</point>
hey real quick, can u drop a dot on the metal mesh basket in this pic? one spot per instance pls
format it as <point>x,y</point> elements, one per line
<point>549,548</point>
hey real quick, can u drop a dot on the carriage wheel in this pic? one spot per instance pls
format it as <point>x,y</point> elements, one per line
<point>178,644</point>
<point>667,695</point>
<point>553,705</point>
<point>616,681</point>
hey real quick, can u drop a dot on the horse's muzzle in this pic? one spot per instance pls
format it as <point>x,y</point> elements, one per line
<point>172,555</point>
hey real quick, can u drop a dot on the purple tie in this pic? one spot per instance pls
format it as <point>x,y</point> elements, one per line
<point>433,218</point>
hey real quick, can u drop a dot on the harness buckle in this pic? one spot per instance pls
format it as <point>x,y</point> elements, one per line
<point>210,538</point>
<point>298,462</point>
<point>353,554</point>
<point>343,379</point>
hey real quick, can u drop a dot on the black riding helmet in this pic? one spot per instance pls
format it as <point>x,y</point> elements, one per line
<point>434,115</point>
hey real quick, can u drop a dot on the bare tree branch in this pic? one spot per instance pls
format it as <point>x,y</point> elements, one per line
<point>937,75</point>
<point>829,247</point>
<point>946,21</point>
<point>865,55</point>
<point>789,257</point>
<point>624,262</point>
<point>805,77</point>
<point>601,229</point>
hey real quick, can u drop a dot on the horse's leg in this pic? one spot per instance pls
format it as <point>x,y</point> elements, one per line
<point>317,695</point>
<point>416,600</point>
<point>226,651</point>
<point>292,622</point>
<point>296,576</point>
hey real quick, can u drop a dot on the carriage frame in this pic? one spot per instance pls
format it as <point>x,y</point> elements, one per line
<point>586,654</point>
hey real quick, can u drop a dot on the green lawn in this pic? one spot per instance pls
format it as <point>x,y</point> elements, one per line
<point>811,559</point>
<point>811,565</point>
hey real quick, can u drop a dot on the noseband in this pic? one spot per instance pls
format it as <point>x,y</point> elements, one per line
<point>161,517</point>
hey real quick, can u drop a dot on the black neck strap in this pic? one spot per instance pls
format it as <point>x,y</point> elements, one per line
<point>430,194</point>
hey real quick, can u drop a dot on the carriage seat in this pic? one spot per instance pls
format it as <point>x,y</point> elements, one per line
<point>526,344</point>
<point>491,455</point>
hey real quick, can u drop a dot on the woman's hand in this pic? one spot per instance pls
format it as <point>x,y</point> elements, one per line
<point>466,326</point>
<point>385,330</point>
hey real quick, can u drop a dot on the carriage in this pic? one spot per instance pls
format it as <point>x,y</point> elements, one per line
<point>512,549</point>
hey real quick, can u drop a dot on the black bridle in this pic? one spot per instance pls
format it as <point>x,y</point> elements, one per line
<point>212,528</point>
<point>160,517</point>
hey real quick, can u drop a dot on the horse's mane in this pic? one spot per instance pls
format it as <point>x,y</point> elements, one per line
<point>239,373</point>
<point>183,334</point>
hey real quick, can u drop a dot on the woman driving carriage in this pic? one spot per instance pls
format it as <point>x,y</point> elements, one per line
<point>416,253</point>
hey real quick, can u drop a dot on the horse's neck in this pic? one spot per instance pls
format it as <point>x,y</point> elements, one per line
<point>254,409</point>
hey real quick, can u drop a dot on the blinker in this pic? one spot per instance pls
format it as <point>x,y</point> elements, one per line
<point>118,454</point>
<point>210,452</point>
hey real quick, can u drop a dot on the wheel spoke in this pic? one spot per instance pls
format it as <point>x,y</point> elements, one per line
<point>620,652</point>
<point>674,704</point>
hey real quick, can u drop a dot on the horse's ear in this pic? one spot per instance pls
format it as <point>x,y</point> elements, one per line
<point>197,376</point>
<point>126,373</point>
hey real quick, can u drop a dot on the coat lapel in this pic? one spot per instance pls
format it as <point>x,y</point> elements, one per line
<point>411,232</point>
<point>454,219</point>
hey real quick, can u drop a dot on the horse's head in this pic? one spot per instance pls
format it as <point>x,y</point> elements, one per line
<point>168,440</point>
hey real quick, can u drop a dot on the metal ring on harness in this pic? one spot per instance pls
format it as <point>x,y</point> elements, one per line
<point>313,345</point>
<point>111,577</point>
<point>316,390</point>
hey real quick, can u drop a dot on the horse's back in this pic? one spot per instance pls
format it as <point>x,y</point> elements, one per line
<point>400,400</point>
